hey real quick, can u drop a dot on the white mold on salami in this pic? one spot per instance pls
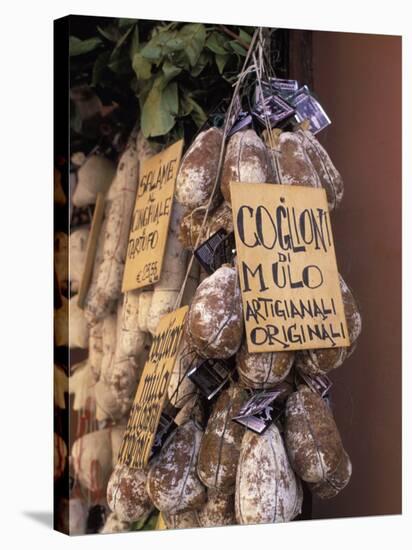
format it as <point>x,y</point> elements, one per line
<point>220,448</point>
<point>312,438</point>
<point>198,169</point>
<point>262,371</point>
<point>215,323</point>
<point>246,161</point>
<point>267,490</point>
<point>219,510</point>
<point>329,177</point>
<point>172,481</point>
<point>126,494</point>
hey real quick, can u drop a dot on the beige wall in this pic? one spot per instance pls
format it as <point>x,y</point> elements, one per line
<point>358,80</point>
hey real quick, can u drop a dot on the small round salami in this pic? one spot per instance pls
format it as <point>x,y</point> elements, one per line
<point>214,327</point>
<point>329,177</point>
<point>262,371</point>
<point>335,482</point>
<point>246,161</point>
<point>312,438</point>
<point>172,481</point>
<point>219,510</point>
<point>220,448</point>
<point>126,494</point>
<point>198,169</point>
<point>292,165</point>
<point>267,490</point>
<point>321,361</point>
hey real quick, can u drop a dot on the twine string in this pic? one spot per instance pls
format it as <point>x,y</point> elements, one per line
<point>244,72</point>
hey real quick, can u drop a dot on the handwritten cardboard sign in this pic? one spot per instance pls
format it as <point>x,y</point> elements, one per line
<point>151,216</point>
<point>287,268</point>
<point>152,390</point>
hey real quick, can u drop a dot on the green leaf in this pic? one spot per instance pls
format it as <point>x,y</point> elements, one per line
<point>204,59</point>
<point>170,71</point>
<point>197,113</point>
<point>185,106</point>
<point>99,66</point>
<point>216,43</point>
<point>193,36</point>
<point>110,33</point>
<point>123,38</point>
<point>160,109</point>
<point>143,90</point>
<point>152,52</point>
<point>171,98</point>
<point>80,47</point>
<point>119,62</point>
<point>188,106</point>
<point>163,43</point>
<point>142,67</point>
<point>237,48</point>
<point>221,61</point>
<point>245,36</point>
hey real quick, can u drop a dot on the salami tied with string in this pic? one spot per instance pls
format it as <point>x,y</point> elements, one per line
<point>214,326</point>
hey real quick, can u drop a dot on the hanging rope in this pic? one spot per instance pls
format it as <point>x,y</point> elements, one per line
<point>246,69</point>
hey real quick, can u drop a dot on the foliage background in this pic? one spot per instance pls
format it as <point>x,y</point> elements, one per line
<point>167,75</point>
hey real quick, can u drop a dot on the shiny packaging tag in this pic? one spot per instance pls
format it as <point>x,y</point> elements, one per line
<point>284,87</point>
<point>273,109</point>
<point>211,375</point>
<point>259,411</point>
<point>308,108</point>
<point>243,121</point>
<point>318,384</point>
<point>280,86</point>
<point>219,249</point>
<point>164,429</point>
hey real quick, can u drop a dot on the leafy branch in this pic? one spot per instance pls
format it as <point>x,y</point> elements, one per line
<point>174,72</point>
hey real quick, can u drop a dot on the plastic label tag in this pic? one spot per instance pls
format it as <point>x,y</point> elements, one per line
<point>309,108</point>
<point>166,426</point>
<point>274,109</point>
<point>211,375</point>
<point>259,411</point>
<point>219,249</point>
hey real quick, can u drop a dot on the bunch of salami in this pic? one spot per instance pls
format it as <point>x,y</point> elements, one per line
<point>210,470</point>
<point>212,467</point>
